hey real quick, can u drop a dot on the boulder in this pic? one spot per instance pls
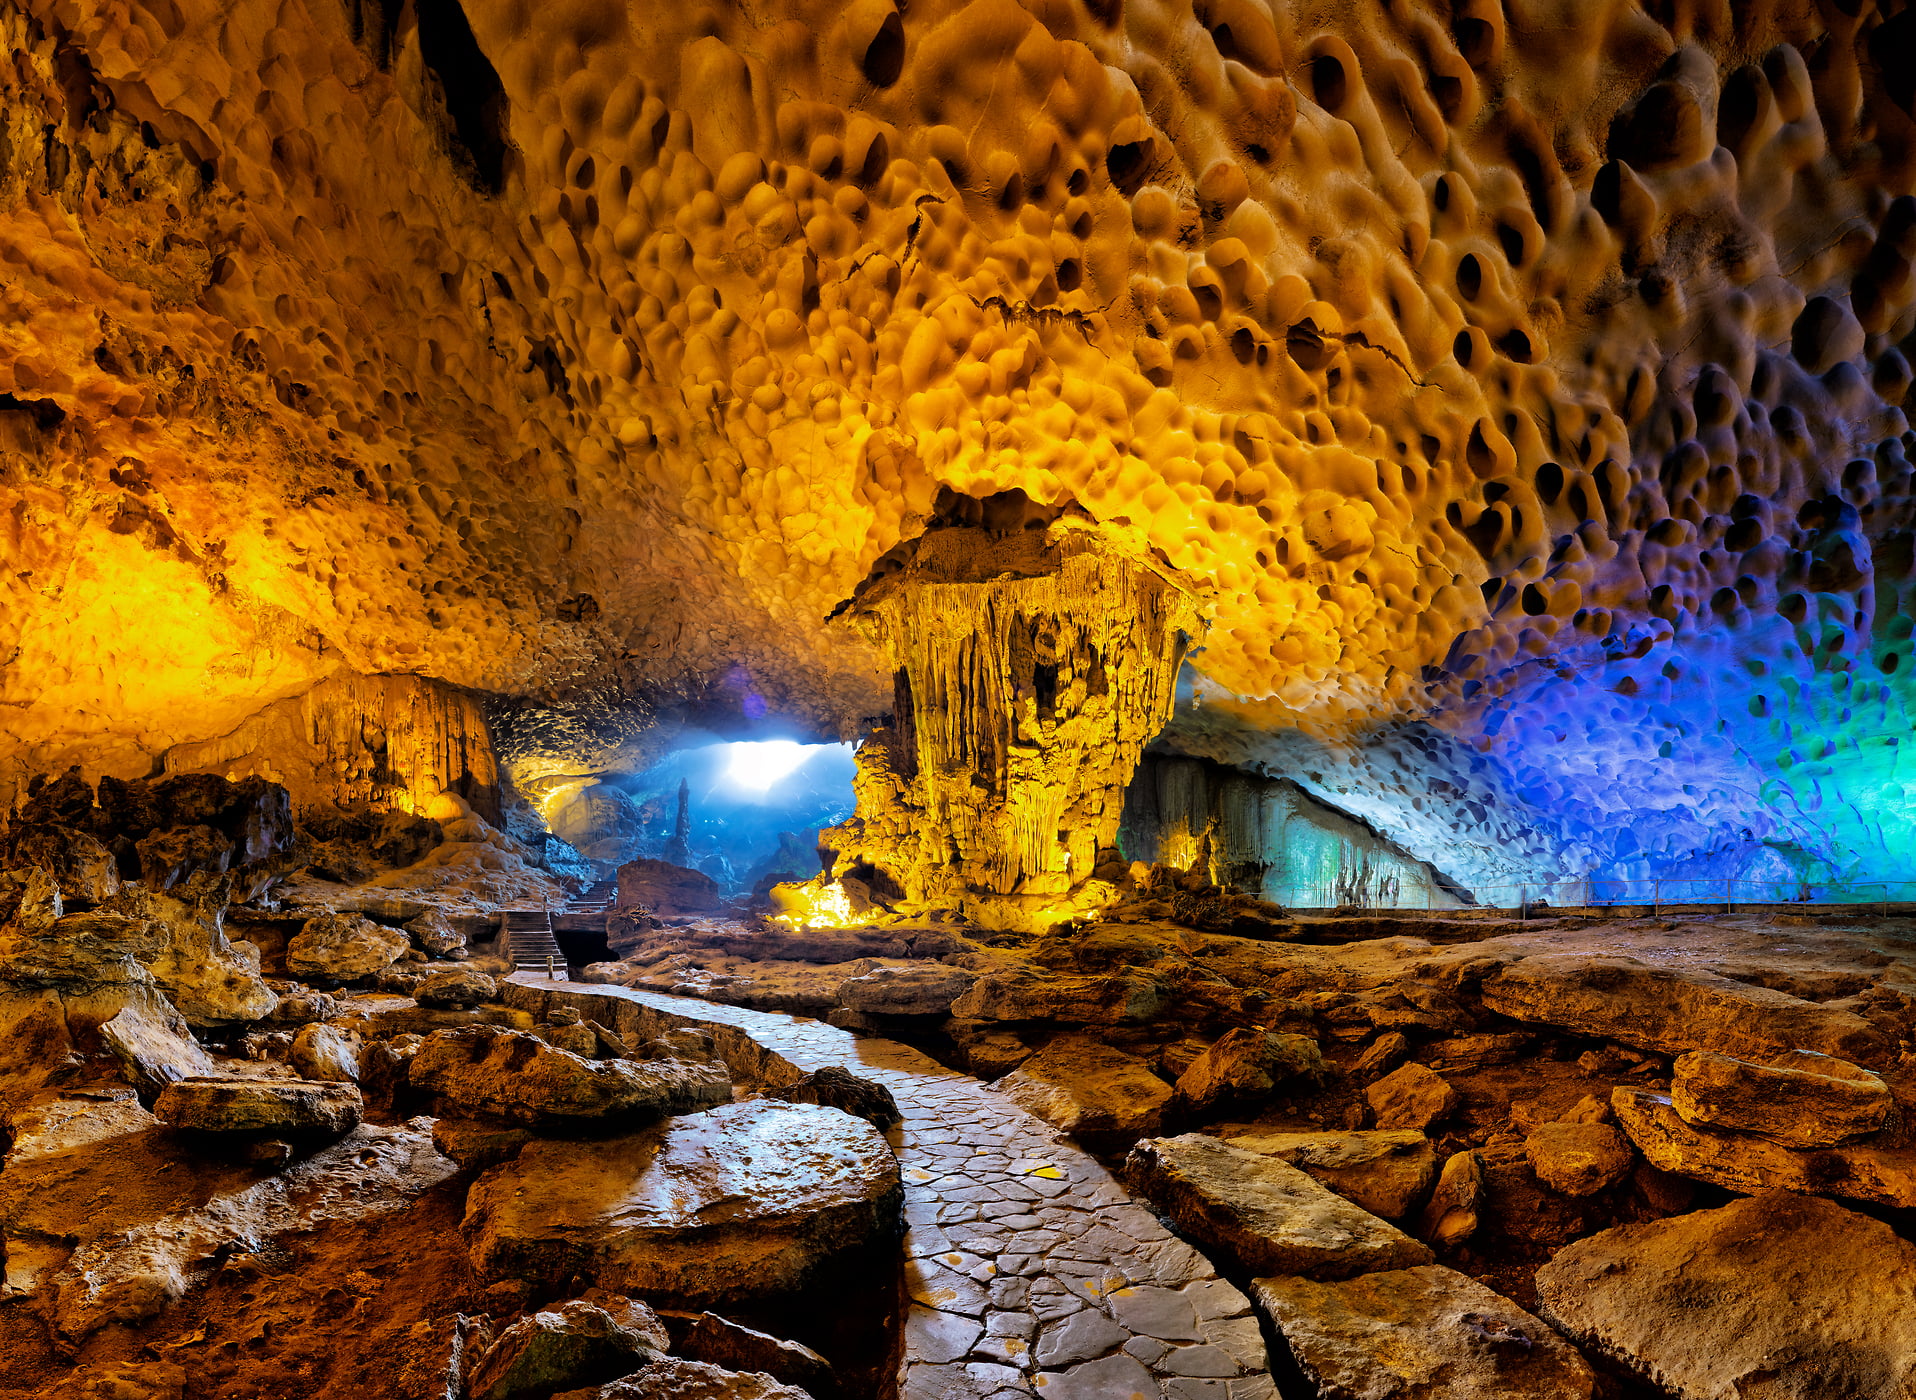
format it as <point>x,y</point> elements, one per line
<point>1781,1297</point>
<point>1885,1175</point>
<point>1263,1213</point>
<point>1672,1010</point>
<point>927,989</point>
<point>1799,1100</point>
<point>1026,994</point>
<point>343,948</point>
<point>1382,1055</point>
<point>1427,1333</point>
<point>436,936</point>
<point>476,1145</point>
<point>661,887</point>
<point>1411,1096</point>
<point>1245,1066</point>
<point>579,1343</point>
<point>834,1086</point>
<point>1079,1086</point>
<point>746,1201</point>
<point>324,1052</point>
<point>214,981</point>
<point>1578,1159</point>
<point>456,988</point>
<point>518,1077</point>
<point>300,1108</point>
<point>152,1043</point>
<point>718,1341</point>
<point>1385,1172</point>
<point>1456,1204</point>
<point>85,871</point>
<point>669,1378</point>
<point>301,1006</point>
<point>169,857</point>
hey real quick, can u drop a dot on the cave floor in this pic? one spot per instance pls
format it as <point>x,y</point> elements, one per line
<point>1027,1263</point>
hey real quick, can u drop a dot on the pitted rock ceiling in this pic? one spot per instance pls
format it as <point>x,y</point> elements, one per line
<point>1520,386</point>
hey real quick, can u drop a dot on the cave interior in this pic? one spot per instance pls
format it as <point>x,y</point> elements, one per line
<point>957,700</point>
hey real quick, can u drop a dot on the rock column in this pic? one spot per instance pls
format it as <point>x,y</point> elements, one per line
<point>1033,665</point>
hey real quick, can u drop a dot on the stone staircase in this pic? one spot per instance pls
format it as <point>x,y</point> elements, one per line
<point>585,912</point>
<point>530,946</point>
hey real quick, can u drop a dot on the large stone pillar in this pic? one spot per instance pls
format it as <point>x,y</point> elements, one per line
<point>1033,665</point>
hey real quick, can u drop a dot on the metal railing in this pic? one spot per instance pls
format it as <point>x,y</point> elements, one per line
<point>1728,893</point>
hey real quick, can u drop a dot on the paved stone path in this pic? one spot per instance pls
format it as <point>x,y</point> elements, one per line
<point>1031,1271</point>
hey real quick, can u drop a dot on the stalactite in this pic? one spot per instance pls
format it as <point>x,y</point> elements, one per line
<point>1033,667</point>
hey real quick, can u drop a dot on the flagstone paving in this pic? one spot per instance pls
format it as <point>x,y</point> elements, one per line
<point>1032,1272</point>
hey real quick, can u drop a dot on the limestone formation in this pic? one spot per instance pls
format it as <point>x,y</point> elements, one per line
<point>575,1344</point>
<point>518,1077</point>
<point>1411,1096</point>
<point>1385,1172</point>
<point>741,1202</point>
<point>1780,1295</point>
<point>1801,1100</point>
<point>1427,1333</point>
<point>1245,1066</point>
<point>1745,1162</point>
<point>1265,1215</point>
<point>272,1107</point>
<point>1087,1089</point>
<point>1578,1159</point>
<point>343,948</point>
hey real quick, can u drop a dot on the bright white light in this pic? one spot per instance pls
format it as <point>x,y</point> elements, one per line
<point>757,766</point>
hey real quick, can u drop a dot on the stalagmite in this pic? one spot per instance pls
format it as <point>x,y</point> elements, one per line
<point>1034,660</point>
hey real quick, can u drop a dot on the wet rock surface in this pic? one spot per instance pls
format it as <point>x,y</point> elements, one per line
<point>734,1203</point>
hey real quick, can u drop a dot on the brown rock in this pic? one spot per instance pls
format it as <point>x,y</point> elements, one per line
<point>1264,1214</point>
<point>1782,1297</point>
<point>1387,1173</point>
<point>717,1341</point>
<point>743,1202</point>
<point>475,1144</point>
<point>343,948</point>
<point>1080,1086</point>
<point>1427,1333</point>
<point>660,887</point>
<point>925,990</point>
<point>1799,1100</point>
<point>1246,1065</point>
<point>1411,1096</point>
<point>1025,994</point>
<point>669,1378</point>
<point>579,1343</point>
<point>436,935</point>
<point>1672,1010</point>
<point>1578,1159</point>
<point>1382,1055</point>
<point>457,988</point>
<point>280,1107</point>
<point>516,1076</point>
<point>84,870</point>
<point>1455,1208</point>
<point>326,1052</point>
<point>1743,1162</point>
<point>834,1086</point>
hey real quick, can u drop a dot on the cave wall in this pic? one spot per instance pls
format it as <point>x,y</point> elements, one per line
<point>1525,386</point>
<point>362,743</point>
<point>1268,837</point>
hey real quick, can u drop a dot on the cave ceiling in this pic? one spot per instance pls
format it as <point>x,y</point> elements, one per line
<point>1521,388</point>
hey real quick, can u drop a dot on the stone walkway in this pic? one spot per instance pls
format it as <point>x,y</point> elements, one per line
<point>1031,1271</point>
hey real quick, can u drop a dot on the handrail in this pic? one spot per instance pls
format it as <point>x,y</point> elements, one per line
<point>1597,892</point>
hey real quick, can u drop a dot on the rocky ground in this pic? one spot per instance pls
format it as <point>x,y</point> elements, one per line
<point>278,1123</point>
